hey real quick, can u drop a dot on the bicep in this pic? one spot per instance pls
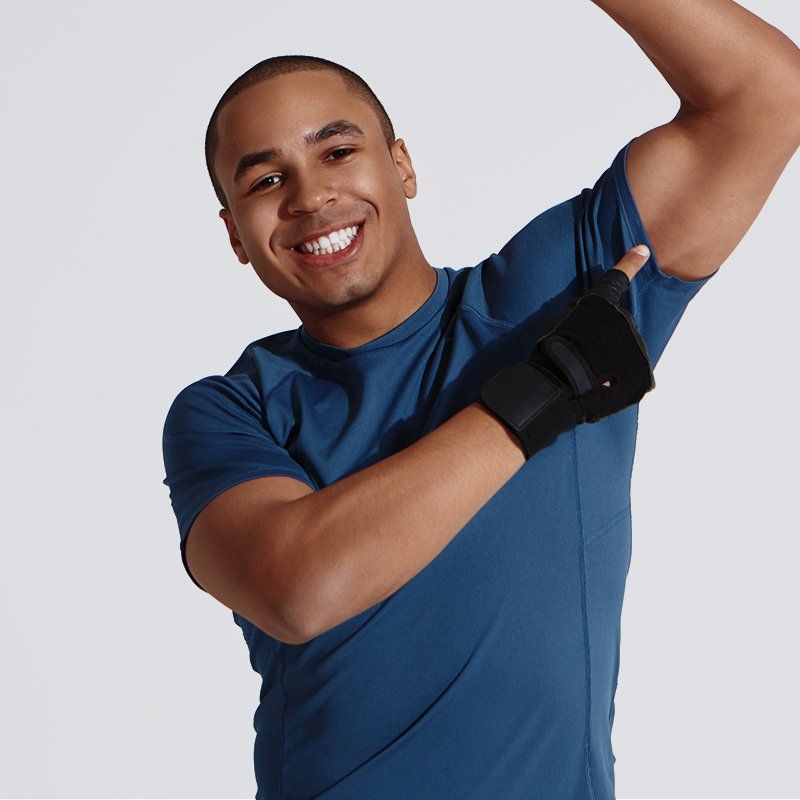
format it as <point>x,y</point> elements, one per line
<point>240,551</point>
<point>701,180</point>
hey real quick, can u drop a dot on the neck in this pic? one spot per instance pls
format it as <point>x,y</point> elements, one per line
<point>389,302</point>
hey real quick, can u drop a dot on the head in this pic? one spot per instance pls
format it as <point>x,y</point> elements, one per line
<point>316,177</point>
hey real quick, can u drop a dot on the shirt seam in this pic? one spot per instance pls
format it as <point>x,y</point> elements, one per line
<point>283,724</point>
<point>606,527</point>
<point>585,624</point>
<point>274,389</point>
<point>491,321</point>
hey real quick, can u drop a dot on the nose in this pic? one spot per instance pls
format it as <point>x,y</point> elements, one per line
<point>311,193</point>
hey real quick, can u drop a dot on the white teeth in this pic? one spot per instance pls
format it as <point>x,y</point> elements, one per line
<point>332,242</point>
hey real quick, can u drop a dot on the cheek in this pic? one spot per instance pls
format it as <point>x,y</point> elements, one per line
<point>376,179</point>
<point>380,187</point>
<point>364,185</point>
<point>256,226</point>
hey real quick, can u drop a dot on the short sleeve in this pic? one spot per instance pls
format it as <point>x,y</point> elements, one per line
<point>608,226</point>
<point>560,253</point>
<point>214,438</point>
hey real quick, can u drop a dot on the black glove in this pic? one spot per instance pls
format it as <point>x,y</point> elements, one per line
<point>589,363</point>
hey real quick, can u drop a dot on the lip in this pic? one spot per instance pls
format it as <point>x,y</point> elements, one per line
<point>333,259</point>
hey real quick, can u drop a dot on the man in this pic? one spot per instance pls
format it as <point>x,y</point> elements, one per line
<point>433,615</point>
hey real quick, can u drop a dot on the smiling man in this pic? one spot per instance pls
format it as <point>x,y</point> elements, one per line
<point>346,179</point>
<point>433,615</point>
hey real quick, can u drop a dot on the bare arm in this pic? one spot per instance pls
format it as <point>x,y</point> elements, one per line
<point>700,180</point>
<point>364,536</point>
<point>297,562</point>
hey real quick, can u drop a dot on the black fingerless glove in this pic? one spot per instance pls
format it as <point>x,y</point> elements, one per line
<point>589,363</point>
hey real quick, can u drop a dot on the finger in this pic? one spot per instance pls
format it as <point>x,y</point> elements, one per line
<point>633,261</point>
<point>616,281</point>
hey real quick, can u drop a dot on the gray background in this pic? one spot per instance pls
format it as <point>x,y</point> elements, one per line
<point>119,677</point>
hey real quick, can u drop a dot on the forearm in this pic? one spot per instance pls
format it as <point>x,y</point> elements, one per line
<point>711,52</point>
<point>361,538</point>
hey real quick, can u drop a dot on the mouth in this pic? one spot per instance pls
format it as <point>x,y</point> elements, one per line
<point>325,259</point>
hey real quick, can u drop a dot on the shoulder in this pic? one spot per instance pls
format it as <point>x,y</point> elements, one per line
<point>262,366</point>
<point>211,401</point>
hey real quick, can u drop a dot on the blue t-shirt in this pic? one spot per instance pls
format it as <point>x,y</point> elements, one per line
<point>492,672</point>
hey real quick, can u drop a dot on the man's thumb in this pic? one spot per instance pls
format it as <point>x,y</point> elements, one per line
<point>634,260</point>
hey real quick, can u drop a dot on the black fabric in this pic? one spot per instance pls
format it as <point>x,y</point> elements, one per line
<point>604,336</point>
<point>589,363</point>
<point>530,403</point>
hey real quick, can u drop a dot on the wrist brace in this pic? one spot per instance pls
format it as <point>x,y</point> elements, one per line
<point>589,363</point>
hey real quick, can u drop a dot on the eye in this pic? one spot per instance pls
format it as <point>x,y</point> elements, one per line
<point>262,184</point>
<point>342,150</point>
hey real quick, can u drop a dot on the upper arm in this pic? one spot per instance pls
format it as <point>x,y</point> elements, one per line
<point>689,190</point>
<point>231,483</point>
<point>561,252</point>
<point>241,552</point>
<point>701,180</point>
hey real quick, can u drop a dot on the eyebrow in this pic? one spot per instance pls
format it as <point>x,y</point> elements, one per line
<point>338,127</point>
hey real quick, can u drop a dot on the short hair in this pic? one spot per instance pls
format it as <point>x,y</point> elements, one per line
<point>280,65</point>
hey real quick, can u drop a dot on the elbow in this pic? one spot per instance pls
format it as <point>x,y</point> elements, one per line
<point>785,108</point>
<point>299,625</point>
<point>776,103</point>
<point>301,585</point>
<point>273,618</point>
<point>288,579</point>
<point>312,580</point>
<point>770,115</point>
<point>313,604</point>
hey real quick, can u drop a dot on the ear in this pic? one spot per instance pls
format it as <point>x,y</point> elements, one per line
<point>402,163</point>
<point>233,235</point>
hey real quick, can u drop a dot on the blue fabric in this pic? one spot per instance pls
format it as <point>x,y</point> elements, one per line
<point>492,672</point>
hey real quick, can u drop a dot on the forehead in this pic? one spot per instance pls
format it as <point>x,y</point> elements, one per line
<point>277,112</point>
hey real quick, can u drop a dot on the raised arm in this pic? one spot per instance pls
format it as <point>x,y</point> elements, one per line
<point>700,180</point>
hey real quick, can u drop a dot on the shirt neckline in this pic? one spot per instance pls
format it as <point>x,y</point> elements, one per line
<point>409,325</point>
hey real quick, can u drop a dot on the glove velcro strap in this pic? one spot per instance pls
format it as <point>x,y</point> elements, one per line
<point>565,355</point>
<point>529,404</point>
